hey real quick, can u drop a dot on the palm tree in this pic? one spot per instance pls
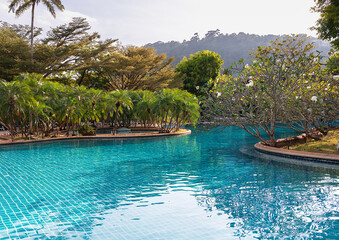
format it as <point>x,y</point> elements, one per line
<point>20,6</point>
<point>119,100</point>
<point>144,111</point>
<point>15,98</point>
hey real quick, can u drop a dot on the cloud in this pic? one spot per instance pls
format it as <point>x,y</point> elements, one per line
<point>42,17</point>
<point>139,22</point>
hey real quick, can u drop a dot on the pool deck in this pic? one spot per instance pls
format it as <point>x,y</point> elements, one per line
<point>119,136</point>
<point>320,157</point>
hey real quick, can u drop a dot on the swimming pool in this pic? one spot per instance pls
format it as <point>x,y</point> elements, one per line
<point>200,186</point>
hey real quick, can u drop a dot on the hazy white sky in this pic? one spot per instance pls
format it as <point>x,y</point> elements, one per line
<point>143,21</point>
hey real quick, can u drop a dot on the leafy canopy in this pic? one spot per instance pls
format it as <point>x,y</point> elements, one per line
<point>200,71</point>
<point>327,25</point>
<point>279,86</point>
<point>135,68</point>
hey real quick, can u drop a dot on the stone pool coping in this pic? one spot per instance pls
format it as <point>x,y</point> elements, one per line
<point>311,156</point>
<point>119,136</point>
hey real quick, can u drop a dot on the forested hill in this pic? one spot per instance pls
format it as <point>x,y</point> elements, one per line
<point>231,47</point>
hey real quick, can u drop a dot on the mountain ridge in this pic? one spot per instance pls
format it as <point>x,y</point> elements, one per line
<point>231,47</point>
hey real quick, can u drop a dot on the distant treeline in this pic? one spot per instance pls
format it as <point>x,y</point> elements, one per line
<point>231,47</point>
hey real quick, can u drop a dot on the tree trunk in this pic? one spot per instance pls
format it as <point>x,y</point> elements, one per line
<point>32,30</point>
<point>12,127</point>
<point>115,124</point>
<point>82,77</point>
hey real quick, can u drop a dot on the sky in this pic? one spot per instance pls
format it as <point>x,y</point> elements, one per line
<point>139,22</point>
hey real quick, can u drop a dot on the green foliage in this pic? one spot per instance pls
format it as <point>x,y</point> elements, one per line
<point>200,71</point>
<point>24,31</point>
<point>14,54</point>
<point>332,63</point>
<point>328,24</point>
<point>174,108</point>
<point>132,68</point>
<point>279,86</point>
<point>70,47</point>
<point>15,98</point>
<point>71,54</point>
<point>231,47</point>
<point>86,130</point>
<point>20,6</point>
<point>32,105</point>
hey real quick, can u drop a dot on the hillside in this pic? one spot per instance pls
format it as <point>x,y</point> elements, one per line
<point>231,47</point>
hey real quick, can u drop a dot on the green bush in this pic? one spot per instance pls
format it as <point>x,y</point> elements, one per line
<point>86,130</point>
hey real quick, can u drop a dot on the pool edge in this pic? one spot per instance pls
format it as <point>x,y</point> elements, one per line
<point>101,137</point>
<point>308,156</point>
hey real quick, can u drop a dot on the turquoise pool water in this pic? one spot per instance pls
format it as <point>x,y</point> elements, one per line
<point>200,186</point>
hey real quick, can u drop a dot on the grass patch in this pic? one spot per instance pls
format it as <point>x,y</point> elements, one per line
<point>326,145</point>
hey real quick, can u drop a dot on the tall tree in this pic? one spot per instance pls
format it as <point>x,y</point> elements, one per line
<point>14,54</point>
<point>268,90</point>
<point>199,71</point>
<point>14,99</point>
<point>70,47</point>
<point>20,6</point>
<point>328,24</point>
<point>134,68</point>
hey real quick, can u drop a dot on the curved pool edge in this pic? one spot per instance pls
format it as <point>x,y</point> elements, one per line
<point>101,137</point>
<point>308,156</point>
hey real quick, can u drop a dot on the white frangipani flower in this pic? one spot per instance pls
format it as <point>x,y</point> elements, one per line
<point>197,87</point>
<point>250,83</point>
<point>314,98</point>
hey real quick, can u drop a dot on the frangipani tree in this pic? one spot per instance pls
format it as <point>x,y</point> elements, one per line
<point>264,92</point>
<point>315,107</point>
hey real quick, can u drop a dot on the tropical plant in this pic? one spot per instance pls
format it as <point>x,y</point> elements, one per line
<point>200,71</point>
<point>15,97</point>
<point>34,106</point>
<point>266,91</point>
<point>20,6</point>
<point>143,109</point>
<point>332,63</point>
<point>174,108</point>
<point>14,54</point>
<point>133,68</point>
<point>118,101</point>
<point>328,24</point>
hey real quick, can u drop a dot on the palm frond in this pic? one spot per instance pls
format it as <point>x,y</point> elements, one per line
<point>20,9</point>
<point>12,6</point>
<point>50,7</point>
<point>58,4</point>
